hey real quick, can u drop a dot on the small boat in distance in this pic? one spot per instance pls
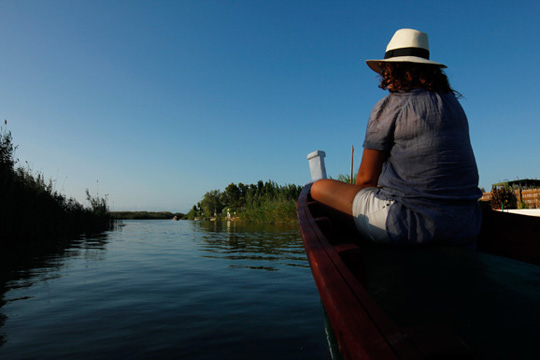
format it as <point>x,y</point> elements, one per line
<point>425,302</point>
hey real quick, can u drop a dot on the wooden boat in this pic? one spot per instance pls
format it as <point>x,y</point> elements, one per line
<point>386,302</point>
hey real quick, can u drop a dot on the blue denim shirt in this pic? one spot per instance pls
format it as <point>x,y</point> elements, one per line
<point>430,172</point>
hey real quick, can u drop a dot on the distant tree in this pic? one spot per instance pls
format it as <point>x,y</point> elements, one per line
<point>193,213</point>
<point>211,203</point>
<point>233,197</point>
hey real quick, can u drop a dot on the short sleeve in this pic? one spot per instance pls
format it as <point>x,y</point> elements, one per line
<point>381,123</point>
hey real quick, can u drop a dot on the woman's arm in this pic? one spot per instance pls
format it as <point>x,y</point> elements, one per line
<point>370,168</point>
<point>340,195</point>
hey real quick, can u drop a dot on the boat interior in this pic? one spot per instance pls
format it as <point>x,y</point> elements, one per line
<point>447,300</point>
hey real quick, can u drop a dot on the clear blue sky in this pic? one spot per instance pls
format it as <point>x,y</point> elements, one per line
<point>157,102</point>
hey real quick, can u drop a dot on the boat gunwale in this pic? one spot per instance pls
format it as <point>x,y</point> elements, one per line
<point>346,301</point>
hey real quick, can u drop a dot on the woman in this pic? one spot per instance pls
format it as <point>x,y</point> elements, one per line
<point>418,180</point>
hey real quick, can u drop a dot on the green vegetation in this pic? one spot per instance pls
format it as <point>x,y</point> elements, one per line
<point>31,209</point>
<point>522,204</point>
<point>145,215</point>
<point>264,202</point>
<point>345,178</point>
<point>503,197</point>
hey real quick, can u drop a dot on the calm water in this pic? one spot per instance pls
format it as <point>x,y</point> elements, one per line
<point>165,289</point>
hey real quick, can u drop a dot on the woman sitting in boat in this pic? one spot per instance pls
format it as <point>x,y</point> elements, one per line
<point>418,179</point>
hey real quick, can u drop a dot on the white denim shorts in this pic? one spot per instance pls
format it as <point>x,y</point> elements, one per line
<point>370,215</point>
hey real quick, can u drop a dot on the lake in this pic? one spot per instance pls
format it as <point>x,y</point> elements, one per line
<point>164,289</point>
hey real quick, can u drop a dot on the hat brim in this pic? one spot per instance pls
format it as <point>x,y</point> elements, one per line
<point>374,64</point>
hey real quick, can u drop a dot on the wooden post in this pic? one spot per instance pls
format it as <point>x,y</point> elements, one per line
<point>352,163</point>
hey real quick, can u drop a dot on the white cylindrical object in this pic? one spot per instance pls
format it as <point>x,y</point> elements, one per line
<point>316,165</point>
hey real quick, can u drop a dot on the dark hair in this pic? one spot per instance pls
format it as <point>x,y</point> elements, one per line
<point>407,76</point>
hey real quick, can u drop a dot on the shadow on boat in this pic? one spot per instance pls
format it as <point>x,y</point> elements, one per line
<point>427,301</point>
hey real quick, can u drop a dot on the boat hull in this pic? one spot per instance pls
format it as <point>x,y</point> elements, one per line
<point>381,307</point>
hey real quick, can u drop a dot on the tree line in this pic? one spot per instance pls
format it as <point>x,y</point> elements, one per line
<point>263,202</point>
<point>146,215</point>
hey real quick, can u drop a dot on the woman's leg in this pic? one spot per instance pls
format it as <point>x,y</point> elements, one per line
<point>336,194</point>
<point>369,213</point>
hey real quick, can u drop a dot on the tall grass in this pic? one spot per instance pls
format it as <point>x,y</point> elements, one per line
<point>277,210</point>
<point>30,207</point>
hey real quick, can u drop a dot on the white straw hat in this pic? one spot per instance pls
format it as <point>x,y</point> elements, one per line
<point>407,45</point>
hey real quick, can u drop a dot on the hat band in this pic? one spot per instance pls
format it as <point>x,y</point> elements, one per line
<point>412,51</point>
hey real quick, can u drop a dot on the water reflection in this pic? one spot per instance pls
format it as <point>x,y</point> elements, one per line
<point>23,265</point>
<point>165,289</point>
<point>252,246</point>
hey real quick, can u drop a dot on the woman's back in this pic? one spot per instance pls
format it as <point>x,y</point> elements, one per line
<point>430,171</point>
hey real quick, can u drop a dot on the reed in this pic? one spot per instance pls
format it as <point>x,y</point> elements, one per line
<point>276,210</point>
<point>31,209</point>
